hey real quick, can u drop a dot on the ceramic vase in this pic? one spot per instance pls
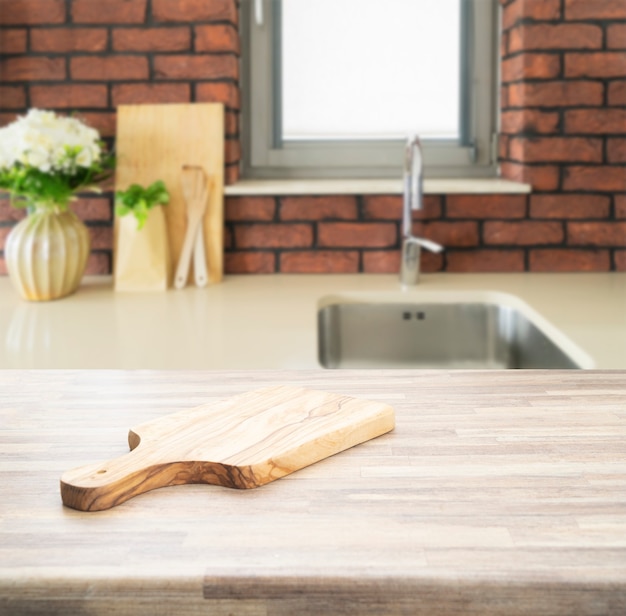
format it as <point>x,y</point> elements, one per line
<point>46,253</point>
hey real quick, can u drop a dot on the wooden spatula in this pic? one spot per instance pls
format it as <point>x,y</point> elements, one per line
<point>196,193</point>
<point>241,442</point>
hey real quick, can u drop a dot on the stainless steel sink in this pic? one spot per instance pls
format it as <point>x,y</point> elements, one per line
<point>447,335</point>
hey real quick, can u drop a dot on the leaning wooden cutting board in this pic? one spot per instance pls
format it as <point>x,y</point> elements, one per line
<point>242,442</point>
<point>153,143</point>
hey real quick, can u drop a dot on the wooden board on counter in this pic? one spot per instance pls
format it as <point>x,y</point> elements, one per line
<point>241,442</point>
<point>153,143</point>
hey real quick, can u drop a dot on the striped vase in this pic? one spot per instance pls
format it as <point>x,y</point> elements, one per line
<point>46,253</point>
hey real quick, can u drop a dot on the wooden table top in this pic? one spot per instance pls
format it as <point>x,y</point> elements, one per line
<point>497,493</point>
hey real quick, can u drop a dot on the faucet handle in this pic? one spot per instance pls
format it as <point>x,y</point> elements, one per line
<point>428,244</point>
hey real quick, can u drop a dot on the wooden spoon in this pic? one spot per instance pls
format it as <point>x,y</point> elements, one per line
<point>195,192</point>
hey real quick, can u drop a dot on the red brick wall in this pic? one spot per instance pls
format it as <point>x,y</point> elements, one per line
<point>563,130</point>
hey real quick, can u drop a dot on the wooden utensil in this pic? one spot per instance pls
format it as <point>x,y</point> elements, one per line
<point>195,192</point>
<point>200,276</point>
<point>242,442</point>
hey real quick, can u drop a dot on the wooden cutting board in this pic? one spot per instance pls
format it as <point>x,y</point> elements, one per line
<point>153,143</point>
<point>242,442</point>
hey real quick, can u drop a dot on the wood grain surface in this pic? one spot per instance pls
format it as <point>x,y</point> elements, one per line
<point>498,493</point>
<point>243,441</point>
<point>153,143</point>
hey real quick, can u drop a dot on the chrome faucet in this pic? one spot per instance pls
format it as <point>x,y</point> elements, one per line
<point>413,200</point>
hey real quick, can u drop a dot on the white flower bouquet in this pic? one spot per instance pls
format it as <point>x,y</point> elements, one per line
<point>46,158</point>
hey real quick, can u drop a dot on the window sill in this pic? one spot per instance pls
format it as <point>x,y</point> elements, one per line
<point>435,186</point>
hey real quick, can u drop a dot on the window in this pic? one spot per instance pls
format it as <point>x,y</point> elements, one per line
<point>332,88</point>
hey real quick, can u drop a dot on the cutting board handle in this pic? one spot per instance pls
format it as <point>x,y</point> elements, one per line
<point>102,485</point>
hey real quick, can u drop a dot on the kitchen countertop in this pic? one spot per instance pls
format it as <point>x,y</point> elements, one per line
<point>269,321</point>
<point>498,493</point>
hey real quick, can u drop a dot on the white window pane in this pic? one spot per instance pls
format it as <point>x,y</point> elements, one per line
<point>370,69</point>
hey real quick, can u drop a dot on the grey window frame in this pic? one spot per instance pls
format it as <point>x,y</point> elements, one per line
<point>266,157</point>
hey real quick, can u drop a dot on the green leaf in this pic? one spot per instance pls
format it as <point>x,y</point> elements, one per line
<point>140,200</point>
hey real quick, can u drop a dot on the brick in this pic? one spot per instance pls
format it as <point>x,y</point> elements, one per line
<point>617,93</point>
<point>620,206</point>
<point>217,38</point>
<point>98,264</point>
<point>503,146</point>
<point>8,212</point>
<point>228,238</point>
<point>319,262</point>
<point>485,206</point>
<point>101,237</point>
<point>595,9</point>
<point>273,235</point>
<point>231,174</point>
<point>596,234</point>
<point>152,39</point>
<point>531,66</point>
<point>141,93</point>
<point>555,36</point>
<point>250,208</point>
<point>232,150</point>
<point>389,207</point>
<point>32,69</point>
<point>103,122</point>
<point>540,177</point>
<point>537,10</point>
<point>381,261</point>
<point>231,123</point>
<point>69,96</point>
<point>568,260</point>
<point>195,10</point>
<point>556,149</point>
<point>30,12</point>
<point>522,233</point>
<point>12,97</point>
<point>597,178</point>
<point>196,67</point>
<point>485,261</point>
<point>227,93</point>
<point>356,234</point>
<point>109,11</point>
<point>448,233</point>
<point>109,68</point>
<point>92,208</point>
<point>431,262</point>
<point>504,97</point>
<point>620,260</point>
<point>529,121</point>
<point>563,206</point>
<point>600,64</point>
<point>616,150</point>
<point>595,121</point>
<point>616,36</point>
<point>318,208</point>
<point>249,263</point>
<point>556,94</point>
<point>388,262</point>
<point>12,41</point>
<point>67,40</point>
